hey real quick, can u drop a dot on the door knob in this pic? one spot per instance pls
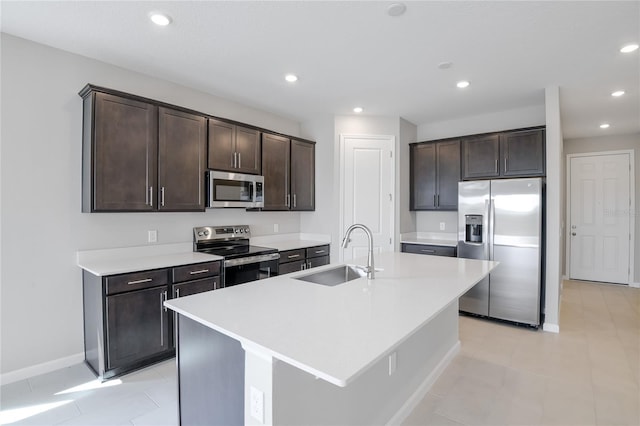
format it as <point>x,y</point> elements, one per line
<point>573,233</point>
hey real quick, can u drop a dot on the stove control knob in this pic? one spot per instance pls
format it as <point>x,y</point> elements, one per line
<point>246,230</point>
<point>241,230</point>
<point>200,234</point>
<point>206,233</point>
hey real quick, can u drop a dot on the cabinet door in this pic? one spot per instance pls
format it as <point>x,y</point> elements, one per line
<point>181,162</point>
<point>523,153</point>
<point>125,147</point>
<point>303,175</point>
<point>287,268</point>
<point>194,287</point>
<point>480,157</point>
<point>317,261</point>
<point>422,176</point>
<point>221,145</point>
<point>247,150</point>
<point>275,169</point>
<point>448,159</point>
<point>137,326</point>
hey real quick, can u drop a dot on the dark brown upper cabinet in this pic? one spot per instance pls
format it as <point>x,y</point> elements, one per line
<point>233,148</point>
<point>139,157</point>
<point>276,171</point>
<point>434,175</point>
<point>517,153</point>
<point>288,167</point>
<point>303,175</point>
<point>182,147</point>
<point>523,153</point>
<point>120,151</point>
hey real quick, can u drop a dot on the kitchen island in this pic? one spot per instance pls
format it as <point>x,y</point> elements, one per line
<point>286,351</point>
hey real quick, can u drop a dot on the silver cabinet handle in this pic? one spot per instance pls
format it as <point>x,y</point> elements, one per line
<point>268,271</point>
<point>235,159</point>
<point>151,196</point>
<point>202,271</point>
<point>163,309</point>
<point>288,200</point>
<point>496,167</point>
<point>505,164</point>
<point>177,292</point>
<point>434,200</point>
<point>146,280</point>
<point>239,160</point>
<point>438,200</point>
<point>162,196</point>
<point>427,251</point>
<point>293,256</point>
<point>164,297</point>
<point>294,201</point>
<point>319,251</point>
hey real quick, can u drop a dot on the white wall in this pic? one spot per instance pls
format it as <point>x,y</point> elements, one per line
<point>610,143</point>
<point>42,224</point>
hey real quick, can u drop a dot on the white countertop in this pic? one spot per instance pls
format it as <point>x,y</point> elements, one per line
<point>131,259</point>
<point>336,333</point>
<point>294,244</point>
<point>430,241</point>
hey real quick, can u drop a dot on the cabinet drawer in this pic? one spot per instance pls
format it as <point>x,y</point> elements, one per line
<point>318,251</point>
<point>429,249</point>
<point>136,280</point>
<point>317,261</point>
<point>194,287</point>
<point>287,268</point>
<point>291,255</point>
<point>195,271</point>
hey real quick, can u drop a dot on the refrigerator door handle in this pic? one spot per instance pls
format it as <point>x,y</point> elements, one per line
<point>492,224</point>
<point>487,238</point>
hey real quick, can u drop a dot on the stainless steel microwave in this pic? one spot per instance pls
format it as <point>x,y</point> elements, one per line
<point>235,190</point>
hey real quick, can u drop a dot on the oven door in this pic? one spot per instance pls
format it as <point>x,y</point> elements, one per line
<point>238,271</point>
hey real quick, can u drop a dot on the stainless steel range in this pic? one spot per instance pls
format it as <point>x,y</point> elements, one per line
<point>242,261</point>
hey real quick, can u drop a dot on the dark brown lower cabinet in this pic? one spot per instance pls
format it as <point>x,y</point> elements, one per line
<point>303,258</point>
<point>126,326</point>
<point>138,326</point>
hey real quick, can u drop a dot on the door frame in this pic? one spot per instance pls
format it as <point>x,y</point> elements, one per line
<point>392,138</point>
<point>632,203</point>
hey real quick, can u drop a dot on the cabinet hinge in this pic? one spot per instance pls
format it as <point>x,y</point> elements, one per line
<point>390,197</point>
<point>390,154</point>
<point>389,240</point>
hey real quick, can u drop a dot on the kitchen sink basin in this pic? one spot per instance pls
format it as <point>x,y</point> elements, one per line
<point>335,276</point>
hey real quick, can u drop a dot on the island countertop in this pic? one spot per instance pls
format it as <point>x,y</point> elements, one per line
<point>336,333</point>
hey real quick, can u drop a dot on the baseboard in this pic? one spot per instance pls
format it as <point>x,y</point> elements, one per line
<point>45,367</point>
<point>424,387</point>
<point>634,285</point>
<point>551,328</point>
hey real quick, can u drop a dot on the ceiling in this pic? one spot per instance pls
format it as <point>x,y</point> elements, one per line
<point>349,54</point>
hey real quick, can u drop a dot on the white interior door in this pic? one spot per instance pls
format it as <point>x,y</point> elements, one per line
<point>599,227</point>
<point>367,182</point>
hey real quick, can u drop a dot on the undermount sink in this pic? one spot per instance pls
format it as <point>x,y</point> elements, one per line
<point>335,276</point>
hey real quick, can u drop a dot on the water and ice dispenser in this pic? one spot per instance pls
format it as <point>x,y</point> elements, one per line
<point>473,228</point>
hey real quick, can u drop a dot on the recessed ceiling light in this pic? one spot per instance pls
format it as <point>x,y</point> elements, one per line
<point>160,19</point>
<point>629,48</point>
<point>291,78</point>
<point>396,9</point>
<point>358,110</point>
<point>445,65</point>
<point>604,126</point>
<point>617,93</point>
<point>462,84</point>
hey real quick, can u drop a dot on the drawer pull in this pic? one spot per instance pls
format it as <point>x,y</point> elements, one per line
<point>293,256</point>
<point>146,280</point>
<point>427,251</point>
<point>319,251</point>
<point>201,271</point>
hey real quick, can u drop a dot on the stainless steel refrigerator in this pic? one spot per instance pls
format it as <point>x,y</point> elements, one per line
<point>501,220</point>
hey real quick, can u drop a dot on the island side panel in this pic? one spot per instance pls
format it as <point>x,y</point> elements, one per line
<point>210,376</point>
<point>375,397</point>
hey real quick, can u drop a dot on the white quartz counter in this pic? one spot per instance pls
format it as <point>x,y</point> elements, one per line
<point>294,244</point>
<point>336,333</point>
<point>132,259</point>
<point>430,241</point>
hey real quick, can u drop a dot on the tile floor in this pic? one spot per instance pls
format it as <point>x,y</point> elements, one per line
<point>588,374</point>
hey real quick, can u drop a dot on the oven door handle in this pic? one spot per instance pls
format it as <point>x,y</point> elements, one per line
<point>251,259</point>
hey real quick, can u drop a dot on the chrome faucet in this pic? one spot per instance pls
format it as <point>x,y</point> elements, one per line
<point>371,272</point>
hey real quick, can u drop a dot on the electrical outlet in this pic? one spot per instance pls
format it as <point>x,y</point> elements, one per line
<point>393,362</point>
<point>442,226</point>
<point>152,236</point>
<point>275,227</point>
<point>257,404</point>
